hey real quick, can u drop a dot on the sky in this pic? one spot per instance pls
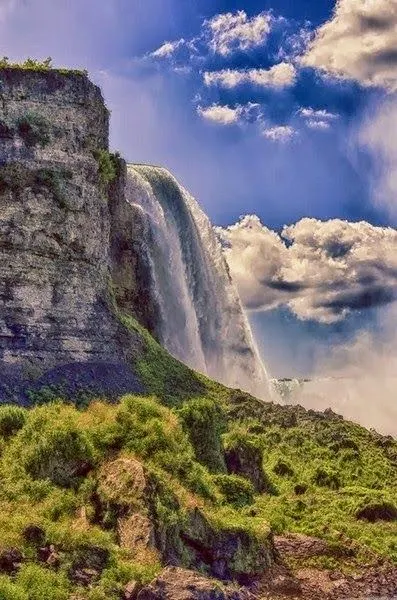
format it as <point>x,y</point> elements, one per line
<point>279,116</point>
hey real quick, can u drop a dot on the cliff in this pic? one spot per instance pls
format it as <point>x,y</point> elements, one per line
<point>55,231</point>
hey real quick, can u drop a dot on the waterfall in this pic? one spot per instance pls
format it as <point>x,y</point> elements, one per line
<point>200,318</point>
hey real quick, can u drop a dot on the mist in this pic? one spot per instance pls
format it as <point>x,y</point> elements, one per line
<point>359,379</point>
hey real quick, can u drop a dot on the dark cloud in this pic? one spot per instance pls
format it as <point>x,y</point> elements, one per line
<point>321,270</point>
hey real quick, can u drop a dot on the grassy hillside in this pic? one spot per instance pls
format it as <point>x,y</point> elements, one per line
<point>96,495</point>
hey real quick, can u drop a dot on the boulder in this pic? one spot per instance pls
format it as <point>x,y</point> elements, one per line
<point>10,560</point>
<point>180,584</point>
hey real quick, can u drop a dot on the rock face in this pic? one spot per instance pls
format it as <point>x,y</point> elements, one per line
<point>54,231</point>
<point>129,499</point>
<point>180,584</point>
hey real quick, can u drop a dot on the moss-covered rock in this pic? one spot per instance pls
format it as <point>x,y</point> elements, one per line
<point>244,457</point>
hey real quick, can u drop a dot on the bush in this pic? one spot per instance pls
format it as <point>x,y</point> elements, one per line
<point>204,422</point>
<point>10,590</point>
<point>283,469</point>
<point>34,129</point>
<point>377,511</point>
<point>236,491</point>
<point>108,166</point>
<point>12,419</point>
<point>329,479</point>
<point>154,433</point>
<point>40,583</point>
<point>52,446</point>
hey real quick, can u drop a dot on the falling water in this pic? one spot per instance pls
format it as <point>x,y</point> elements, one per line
<point>201,320</point>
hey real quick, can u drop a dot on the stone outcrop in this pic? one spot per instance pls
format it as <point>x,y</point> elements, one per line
<point>129,500</point>
<point>180,584</point>
<point>55,230</point>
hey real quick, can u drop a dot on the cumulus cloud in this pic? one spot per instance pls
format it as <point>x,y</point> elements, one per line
<point>223,115</point>
<point>317,119</point>
<point>359,42</point>
<point>280,133</point>
<point>228,115</point>
<point>320,270</point>
<point>279,76</point>
<point>229,32</point>
<point>167,49</point>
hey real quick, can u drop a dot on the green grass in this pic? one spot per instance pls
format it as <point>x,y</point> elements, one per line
<point>320,473</point>
<point>38,66</point>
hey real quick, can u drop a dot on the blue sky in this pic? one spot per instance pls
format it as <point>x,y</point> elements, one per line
<point>228,96</point>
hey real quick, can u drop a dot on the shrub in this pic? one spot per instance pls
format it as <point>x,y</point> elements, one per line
<point>329,479</point>
<point>12,419</point>
<point>40,583</point>
<point>236,491</point>
<point>377,511</point>
<point>300,489</point>
<point>32,64</point>
<point>283,469</point>
<point>108,166</point>
<point>16,177</point>
<point>244,457</point>
<point>10,590</point>
<point>34,129</point>
<point>204,422</point>
<point>154,433</point>
<point>52,446</point>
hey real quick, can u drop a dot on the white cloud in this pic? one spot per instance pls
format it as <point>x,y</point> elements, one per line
<point>278,76</point>
<point>322,114</point>
<point>317,124</point>
<point>223,115</point>
<point>280,133</point>
<point>320,270</point>
<point>167,49</point>
<point>227,115</point>
<point>359,42</point>
<point>236,31</point>
<point>317,119</point>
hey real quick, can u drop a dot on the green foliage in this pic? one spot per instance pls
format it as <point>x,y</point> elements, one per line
<point>154,433</point>
<point>32,64</point>
<point>236,491</point>
<point>54,180</point>
<point>325,478</point>
<point>34,129</point>
<point>40,583</point>
<point>164,376</point>
<point>108,166</point>
<point>12,419</point>
<point>205,421</point>
<point>283,469</point>
<point>52,446</point>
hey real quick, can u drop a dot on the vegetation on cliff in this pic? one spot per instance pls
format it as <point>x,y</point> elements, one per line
<point>97,497</point>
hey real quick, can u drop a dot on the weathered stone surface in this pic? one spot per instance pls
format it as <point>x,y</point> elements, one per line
<point>180,584</point>
<point>54,232</point>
